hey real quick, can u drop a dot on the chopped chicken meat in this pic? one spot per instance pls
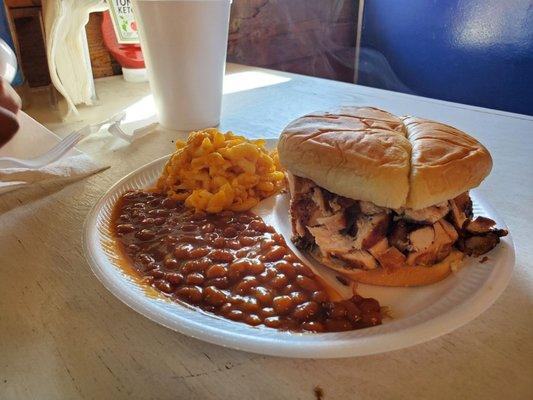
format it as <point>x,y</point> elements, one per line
<point>379,247</point>
<point>449,229</point>
<point>334,223</point>
<point>399,236</point>
<point>338,203</point>
<point>358,259</point>
<point>430,244</point>
<point>391,259</point>
<point>443,241</point>
<point>370,230</point>
<point>315,215</point>
<point>330,242</point>
<point>428,215</point>
<point>298,186</point>
<point>476,236</point>
<point>458,216</point>
<point>421,239</point>
<point>318,198</point>
<point>303,210</point>
<point>464,204</point>
<point>479,225</point>
<point>478,245</point>
<point>360,234</point>
<point>369,208</point>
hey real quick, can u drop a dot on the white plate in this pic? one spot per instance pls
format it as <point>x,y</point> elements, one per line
<point>419,314</point>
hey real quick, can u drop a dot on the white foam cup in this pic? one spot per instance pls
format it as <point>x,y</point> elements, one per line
<point>184,45</point>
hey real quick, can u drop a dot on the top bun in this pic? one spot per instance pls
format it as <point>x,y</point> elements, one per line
<point>369,154</point>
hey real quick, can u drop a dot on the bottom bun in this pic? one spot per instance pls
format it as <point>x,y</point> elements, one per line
<point>417,275</point>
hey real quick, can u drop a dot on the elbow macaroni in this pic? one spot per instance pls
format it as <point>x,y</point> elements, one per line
<point>215,171</point>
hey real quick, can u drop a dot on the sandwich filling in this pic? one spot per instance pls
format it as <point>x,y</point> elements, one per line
<point>359,234</point>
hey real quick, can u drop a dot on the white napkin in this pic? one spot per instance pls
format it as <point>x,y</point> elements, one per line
<point>32,140</point>
<point>67,50</point>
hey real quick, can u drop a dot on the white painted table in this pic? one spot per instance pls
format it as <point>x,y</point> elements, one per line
<point>63,336</point>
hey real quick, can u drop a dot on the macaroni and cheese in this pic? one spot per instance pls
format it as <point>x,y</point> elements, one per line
<point>215,171</point>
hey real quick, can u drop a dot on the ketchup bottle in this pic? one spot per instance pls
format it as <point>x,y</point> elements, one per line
<point>129,56</point>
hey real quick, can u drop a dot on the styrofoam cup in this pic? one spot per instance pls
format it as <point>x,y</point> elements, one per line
<point>184,45</point>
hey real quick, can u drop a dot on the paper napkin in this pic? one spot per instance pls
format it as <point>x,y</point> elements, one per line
<point>31,141</point>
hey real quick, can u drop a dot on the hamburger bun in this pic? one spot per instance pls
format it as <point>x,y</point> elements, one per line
<point>364,153</point>
<point>406,276</point>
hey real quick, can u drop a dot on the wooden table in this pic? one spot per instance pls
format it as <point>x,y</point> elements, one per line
<point>63,336</point>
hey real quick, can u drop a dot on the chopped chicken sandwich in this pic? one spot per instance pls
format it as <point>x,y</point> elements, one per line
<point>384,199</point>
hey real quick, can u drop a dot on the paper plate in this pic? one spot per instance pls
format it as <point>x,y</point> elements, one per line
<point>418,314</point>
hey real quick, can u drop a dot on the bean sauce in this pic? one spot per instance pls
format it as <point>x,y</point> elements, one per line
<point>230,264</point>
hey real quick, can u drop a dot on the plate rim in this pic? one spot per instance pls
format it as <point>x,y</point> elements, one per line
<point>437,326</point>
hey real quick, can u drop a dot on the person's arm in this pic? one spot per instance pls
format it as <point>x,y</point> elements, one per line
<point>9,107</point>
<point>9,99</point>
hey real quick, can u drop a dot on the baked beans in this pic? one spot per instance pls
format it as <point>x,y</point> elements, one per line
<point>231,264</point>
